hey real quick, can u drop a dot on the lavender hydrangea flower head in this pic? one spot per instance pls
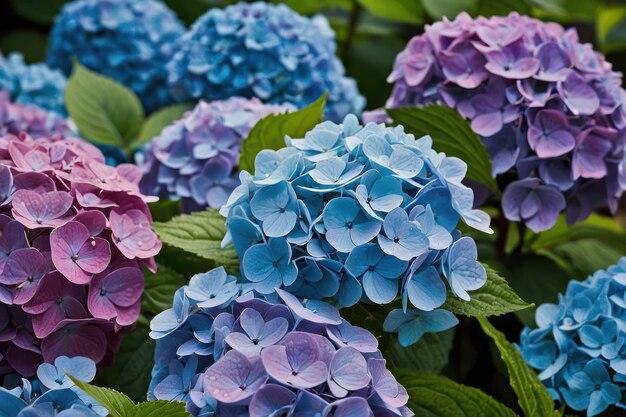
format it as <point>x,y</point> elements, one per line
<point>232,353</point>
<point>35,84</point>
<point>548,108</point>
<point>579,347</point>
<point>195,158</point>
<point>355,212</point>
<point>53,393</point>
<point>265,51</point>
<point>127,40</point>
<point>74,238</point>
<point>16,118</point>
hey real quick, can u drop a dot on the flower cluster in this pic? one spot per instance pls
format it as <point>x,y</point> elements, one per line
<point>16,118</point>
<point>234,354</point>
<point>265,51</point>
<point>127,40</point>
<point>74,237</point>
<point>546,106</point>
<point>54,393</point>
<point>34,84</point>
<point>579,347</point>
<point>195,158</point>
<point>351,212</point>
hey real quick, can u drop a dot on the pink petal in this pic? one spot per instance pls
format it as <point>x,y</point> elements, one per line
<point>86,340</point>
<point>94,256</point>
<point>93,220</point>
<point>124,286</point>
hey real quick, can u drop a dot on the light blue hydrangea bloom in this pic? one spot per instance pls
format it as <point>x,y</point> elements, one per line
<point>579,345</point>
<point>265,51</point>
<point>354,212</point>
<point>35,84</point>
<point>53,393</point>
<point>127,40</point>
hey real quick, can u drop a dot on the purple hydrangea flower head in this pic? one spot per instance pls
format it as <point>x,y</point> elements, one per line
<point>547,107</point>
<point>53,393</point>
<point>35,84</point>
<point>127,40</point>
<point>277,359</point>
<point>16,118</point>
<point>352,212</point>
<point>266,51</point>
<point>195,159</point>
<point>74,238</point>
<point>579,345</point>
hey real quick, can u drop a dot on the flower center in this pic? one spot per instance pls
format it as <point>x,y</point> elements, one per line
<point>349,225</point>
<point>396,239</point>
<point>255,341</point>
<point>103,292</point>
<point>74,258</point>
<point>59,300</point>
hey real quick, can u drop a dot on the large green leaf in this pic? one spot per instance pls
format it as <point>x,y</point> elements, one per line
<point>200,234</point>
<point>132,369</point>
<point>154,124</point>
<point>437,9</point>
<point>532,396</point>
<point>611,24</point>
<point>105,111</point>
<point>430,354</point>
<point>270,132</point>
<point>442,397</point>
<point>492,299</point>
<point>408,11</point>
<point>451,134</point>
<point>160,288</point>
<point>118,404</point>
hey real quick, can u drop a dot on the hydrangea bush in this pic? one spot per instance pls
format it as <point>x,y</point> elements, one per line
<point>548,108</point>
<point>17,118</point>
<point>195,158</point>
<point>53,393</point>
<point>35,84</point>
<point>355,212</point>
<point>127,40</point>
<point>265,51</point>
<point>578,345</point>
<point>230,353</point>
<point>74,238</point>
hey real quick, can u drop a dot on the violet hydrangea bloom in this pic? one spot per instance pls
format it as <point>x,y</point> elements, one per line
<point>243,355</point>
<point>578,346</point>
<point>74,239</point>
<point>35,84</point>
<point>548,108</point>
<point>266,51</point>
<point>195,158</point>
<point>127,40</point>
<point>34,121</point>
<point>354,212</point>
<point>53,393</point>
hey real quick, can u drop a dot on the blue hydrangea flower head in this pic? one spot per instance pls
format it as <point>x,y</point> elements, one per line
<point>579,345</point>
<point>35,84</point>
<point>195,158</point>
<point>549,108</point>
<point>265,51</point>
<point>352,212</point>
<point>127,40</point>
<point>243,355</point>
<point>53,393</point>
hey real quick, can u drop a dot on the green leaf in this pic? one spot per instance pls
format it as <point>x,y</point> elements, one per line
<point>451,134</point>
<point>132,369</point>
<point>512,238</point>
<point>270,132</point>
<point>154,124</point>
<point>611,24</point>
<point>105,111</point>
<point>159,409</point>
<point>164,210</point>
<point>37,11</point>
<point>118,404</point>
<point>532,396</point>
<point>442,397</point>
<point>580,249</point>
<point>160,288</point>
<point>430,354</point>
<point>492,299</point>
<point>201,234</point>
<point>407,11</point>
<point>437,9</point>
